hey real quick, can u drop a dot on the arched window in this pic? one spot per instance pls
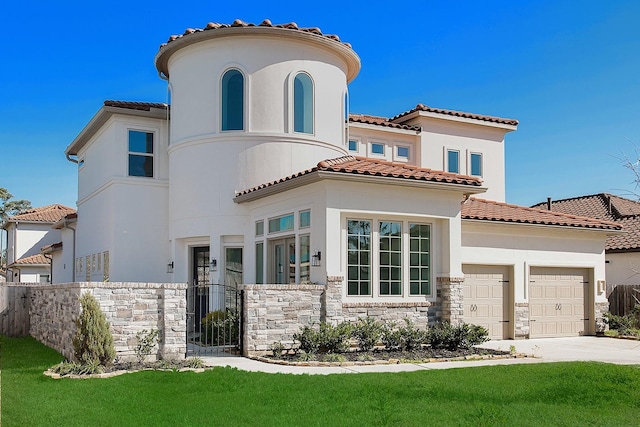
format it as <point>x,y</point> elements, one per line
<point>302,103</point>
<point>232,100</point>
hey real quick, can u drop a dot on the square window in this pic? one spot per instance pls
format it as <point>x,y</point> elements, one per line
<point>402,152</point>
<point>377,148</point>
<point>305,219</point>
<point>476,164</point>
<point>353,145</point>
<point>453,161</point>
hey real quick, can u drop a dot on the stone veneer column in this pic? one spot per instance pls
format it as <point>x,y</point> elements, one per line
<point>173,306</point>
<point>451,298</point>
<point>600,309</point>
<point>331,311</point>
<point>522,328</point>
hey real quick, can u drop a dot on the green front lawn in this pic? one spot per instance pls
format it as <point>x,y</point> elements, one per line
<point>545,394</point>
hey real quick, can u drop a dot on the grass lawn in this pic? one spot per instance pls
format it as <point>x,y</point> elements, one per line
<point>545,394</point>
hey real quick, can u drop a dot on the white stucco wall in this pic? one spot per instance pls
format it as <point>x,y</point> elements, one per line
<point>623,268</point>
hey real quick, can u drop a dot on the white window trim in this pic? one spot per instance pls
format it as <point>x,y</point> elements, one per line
<point>372,154</point>
<point>375,260</point>
<point>358,145</point>
<point>397,157</point>
<point>153,155</point>
<point>446,159</point>
<point>245,98</point>
<point>470,163</point>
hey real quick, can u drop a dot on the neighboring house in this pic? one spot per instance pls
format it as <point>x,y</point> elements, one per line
<point>622,251</point>
<point>27,233</point>
<point>258,174</point>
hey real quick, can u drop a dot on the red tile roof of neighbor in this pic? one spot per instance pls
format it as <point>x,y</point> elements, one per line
<point>486,210</point>
<point>266,23</point>
<point>426,108</point>
<point>609,207</point>
<point>372,167</point>
<point>50,213</point>
<point>37,259</point>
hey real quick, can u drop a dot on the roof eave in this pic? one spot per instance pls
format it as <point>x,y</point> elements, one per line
<point>441,116</point>
<point>607,231</point>
<point>316,176</point>
<point>384,128</point>
<point>99,120</point>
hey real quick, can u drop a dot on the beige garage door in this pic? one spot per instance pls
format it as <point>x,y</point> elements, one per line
<point>485,292</point>
<point>556,301</point>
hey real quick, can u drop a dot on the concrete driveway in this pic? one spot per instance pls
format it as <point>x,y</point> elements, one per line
<point>597,349</point>
<point>545,350</point>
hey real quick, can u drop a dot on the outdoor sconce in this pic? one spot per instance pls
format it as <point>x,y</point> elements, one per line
<point>213,265</point>
<point>170,267</point>
<point>316,258</point>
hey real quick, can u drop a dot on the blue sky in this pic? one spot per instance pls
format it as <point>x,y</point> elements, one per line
<point>569,71</point>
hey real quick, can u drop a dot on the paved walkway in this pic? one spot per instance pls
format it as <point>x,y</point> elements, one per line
<point>545,350</point>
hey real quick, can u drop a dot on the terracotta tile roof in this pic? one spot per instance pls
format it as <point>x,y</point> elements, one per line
<point>487,210</point>
<point>380,121</point>
<point>50,213</point>
<point>266,23</point>
<point>37,259</point>
<point>426,108</point>
<point>132,105</point>
<point>51,248</point>
<point>371,167</point>
<point>607,207</point>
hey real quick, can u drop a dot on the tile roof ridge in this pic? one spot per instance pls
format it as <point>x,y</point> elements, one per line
<point>545,211</point>
<point>456,113</point>
<point>323,164</point>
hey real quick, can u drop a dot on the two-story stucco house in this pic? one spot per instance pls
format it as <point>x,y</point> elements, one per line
<point>258,173</point>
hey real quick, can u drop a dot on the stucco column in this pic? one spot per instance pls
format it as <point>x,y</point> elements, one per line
<point>451,298</point>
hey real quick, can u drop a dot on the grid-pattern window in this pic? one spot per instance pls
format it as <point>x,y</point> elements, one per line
<point>390,258</point>
<point>232,100</point>
<point>453,161</point>
<point>358,257</point>
<point>419,259</point>
<point>476,164</point>
<point>140,153</point>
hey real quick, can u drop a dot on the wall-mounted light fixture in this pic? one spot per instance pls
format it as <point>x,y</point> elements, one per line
<point>170,267</point>
<point>316,258</point>
<point>213,265</point>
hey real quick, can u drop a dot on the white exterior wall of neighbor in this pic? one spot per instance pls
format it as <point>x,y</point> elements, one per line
<point>623,268</point>
<point>63,263</point>
<point>366,135</point>
<point>521,247</point>
<point>28,238</point>
<point>124,216</point>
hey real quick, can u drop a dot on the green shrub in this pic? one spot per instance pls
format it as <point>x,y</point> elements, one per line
<point>334,357</point>
<point>625,325</point>
<point>327,339</point>
<point>220,327</point>
<point>391,336</point>
<point>411,337</point>
<point>93,342</point>
<point>76,368</point>
<point>367,333</point>
<point>277,348</point>
<point>452,337</point>
<point>147,340</point>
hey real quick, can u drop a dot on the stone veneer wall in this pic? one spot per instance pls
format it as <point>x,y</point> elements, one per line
<point>600,309</point>
<point>522,320</point>
<point>450,297</point>
<point>275,312</point>
<point>128,307</point>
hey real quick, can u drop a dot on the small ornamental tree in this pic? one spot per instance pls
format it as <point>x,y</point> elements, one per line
<point>93,342</point>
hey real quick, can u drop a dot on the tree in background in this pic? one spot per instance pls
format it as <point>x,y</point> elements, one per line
<point>8,208</point>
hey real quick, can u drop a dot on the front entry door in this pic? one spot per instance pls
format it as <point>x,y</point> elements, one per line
<point>283,261</point>
<point>199,297</point>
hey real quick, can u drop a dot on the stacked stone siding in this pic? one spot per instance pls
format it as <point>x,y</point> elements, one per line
<point>128,307</point>
<point>522,320</point>
<point>420,313</point>
<point>600,309</point>
<point>275,312</point>
<point>450,298</point>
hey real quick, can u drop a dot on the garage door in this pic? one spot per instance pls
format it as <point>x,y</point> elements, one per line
<point>556,301</point>
<point>485,292</point>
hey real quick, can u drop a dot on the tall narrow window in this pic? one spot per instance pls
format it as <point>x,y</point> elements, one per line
<point>476,164</point>
<point>140,153</point>
<point>419,259</point>
<point>259,262</point>
<point>305,259</point>
<point>232,100</point>
<point>390,258</point>
<point>453,161</point>
<point>358,257</point>
<point>302,103</point>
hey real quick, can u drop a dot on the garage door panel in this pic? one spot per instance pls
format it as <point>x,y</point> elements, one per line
<point>556,301</point>
<point>483,292</point>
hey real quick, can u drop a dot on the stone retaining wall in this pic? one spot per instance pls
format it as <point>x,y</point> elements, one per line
<point>128,307</point>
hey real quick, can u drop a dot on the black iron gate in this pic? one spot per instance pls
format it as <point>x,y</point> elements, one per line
<point>214,320</point>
